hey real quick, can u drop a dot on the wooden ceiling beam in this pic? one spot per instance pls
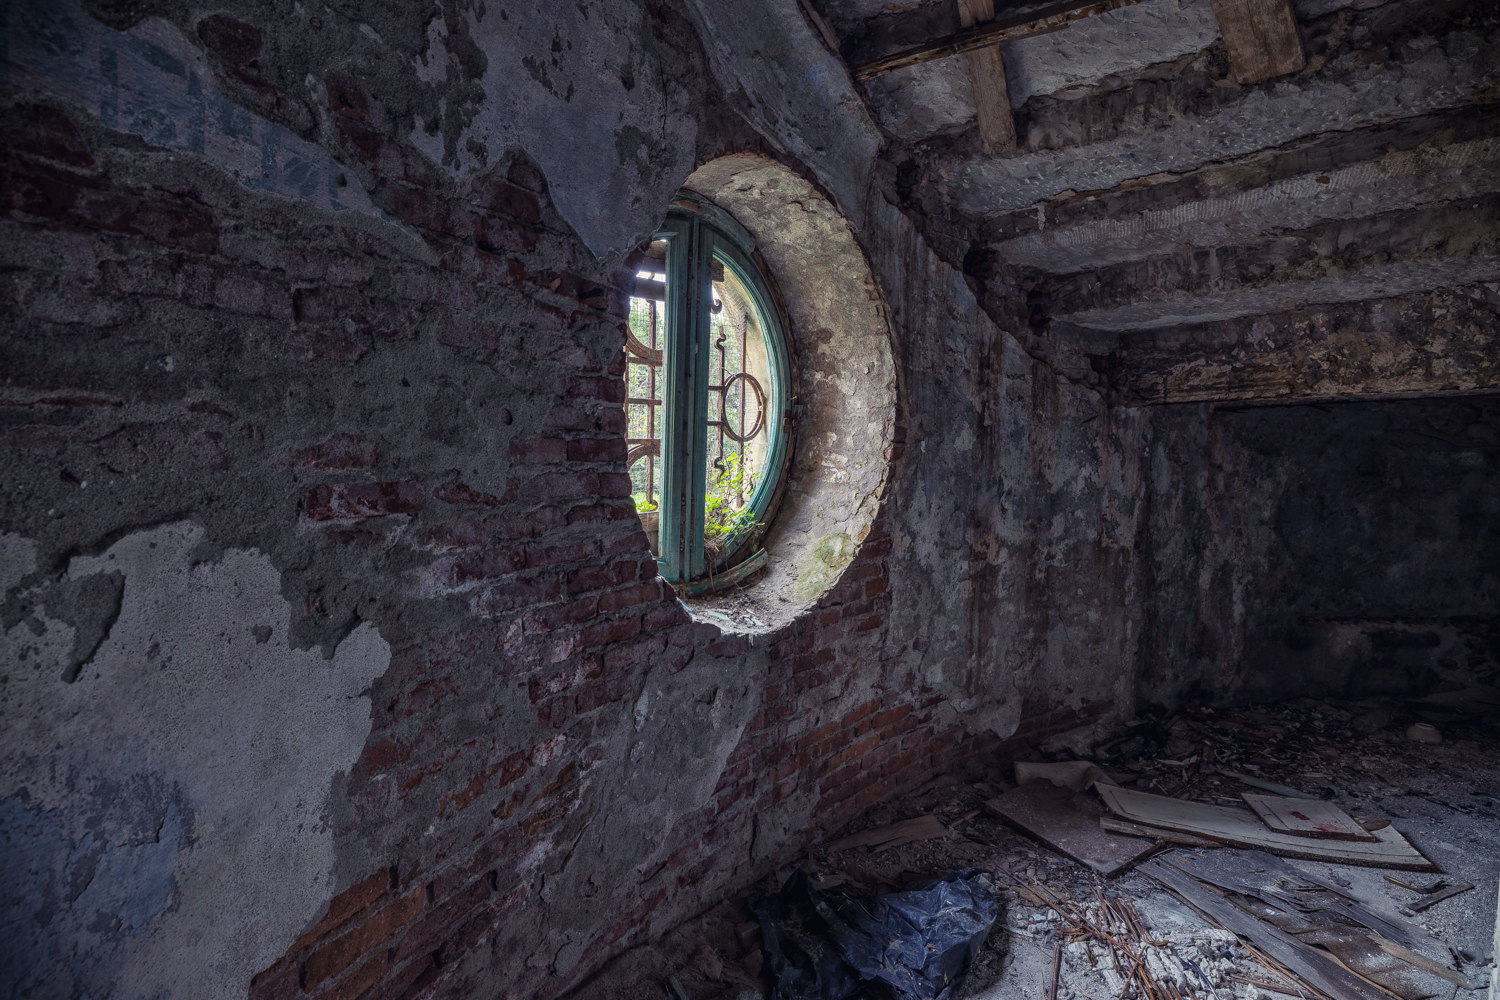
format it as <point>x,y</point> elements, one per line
<point>997,126</point>
<point>1261,36</point>
<point>983,35</point>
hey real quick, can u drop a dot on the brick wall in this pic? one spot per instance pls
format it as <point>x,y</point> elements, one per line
<point>501,560</point>
<point>417,419</point>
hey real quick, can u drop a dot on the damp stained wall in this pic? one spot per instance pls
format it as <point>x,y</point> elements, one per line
<point>344,347</point>
<point>364,402</point>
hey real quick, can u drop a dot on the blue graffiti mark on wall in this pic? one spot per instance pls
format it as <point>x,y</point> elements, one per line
<point>159,88</point>
<point>31,847</point>
<point>65,905</point>
<point>132,883</point>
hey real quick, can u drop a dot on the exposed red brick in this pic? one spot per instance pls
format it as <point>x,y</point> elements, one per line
<point>588,578</point>
<point>339,954</point>
<point>346,97</point>
<point>609,631</point>
<point>612,421</point>
<point>504,771</point>
<point>326,503</point>
<point>629,597</point>
<point>668,615</point>
<point>487,565</point>
<point>611,390</point>
<point>614,484</point>
<point>561,484</point>
<point>54,197</point>
<point>408,982</point>
<point>460,533</point>
<point>597,450</point>
<point>554,555</point>
<point>539,450</point>
<point>500,236</point>
<point>550,617</point>
<point>380,757</point>
<point>353,985</point>
<point>534,523</point>
<point>281,981</point>
<point>341,451</point>
<point>597,512</point>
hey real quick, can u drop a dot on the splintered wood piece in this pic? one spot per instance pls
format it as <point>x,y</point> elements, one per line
<point>997,126</point>
<point>1439,896</point>
<point>1242,828</point>
<point>905,832</point>
<point>1316,968</point>
<point>1261,36</point>
<point>1114,825</point>
<point>1253,873</point>
<point>1306,818</point>
<point>1068,822</point>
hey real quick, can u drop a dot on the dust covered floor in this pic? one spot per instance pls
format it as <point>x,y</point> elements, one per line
<point>1445,798</point>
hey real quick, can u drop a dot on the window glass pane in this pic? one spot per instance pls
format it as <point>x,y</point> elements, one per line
<point>739,400</point>
<point>643,378</point>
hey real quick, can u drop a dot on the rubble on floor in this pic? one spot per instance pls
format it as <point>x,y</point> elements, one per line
<point>1442,798</point>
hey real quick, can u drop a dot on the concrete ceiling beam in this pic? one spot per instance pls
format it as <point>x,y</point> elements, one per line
<point>1433,343</point>
<point>1343,261</point>
<point>1112,228</point>
<point>1178,129</point>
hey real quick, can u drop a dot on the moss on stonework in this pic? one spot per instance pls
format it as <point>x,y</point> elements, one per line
<point>830,556</point>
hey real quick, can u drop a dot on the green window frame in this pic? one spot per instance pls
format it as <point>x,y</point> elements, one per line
<point>693,403</point>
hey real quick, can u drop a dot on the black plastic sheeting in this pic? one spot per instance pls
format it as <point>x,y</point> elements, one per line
<point>918,943</point>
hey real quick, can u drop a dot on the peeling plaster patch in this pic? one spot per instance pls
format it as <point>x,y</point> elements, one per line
<point>570,108</point>
<point>189,764</point>
<point>154,83</point>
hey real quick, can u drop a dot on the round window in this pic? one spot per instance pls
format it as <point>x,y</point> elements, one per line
<point>707,398</point>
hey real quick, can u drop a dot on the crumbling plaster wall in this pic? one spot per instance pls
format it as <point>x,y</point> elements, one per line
<point>360,390</point>
<point>1337,550</point>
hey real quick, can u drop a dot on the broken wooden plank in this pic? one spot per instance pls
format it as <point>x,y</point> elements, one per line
<point>1438,896</point>
<point>1068,822</point>
<point>905,832</point>
<point>1362,958</point>
<point>1317,969</point>
<point>1242,828</point>
<point>1254,873</point>
<point>1425,963</point>
<point>1115,825</point>
<point>1261,36</point>
<point>1306,818</point>
<point>997,126</point>
<point>1009,29</point>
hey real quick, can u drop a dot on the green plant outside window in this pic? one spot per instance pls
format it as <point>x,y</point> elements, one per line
<point>707,393</point>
